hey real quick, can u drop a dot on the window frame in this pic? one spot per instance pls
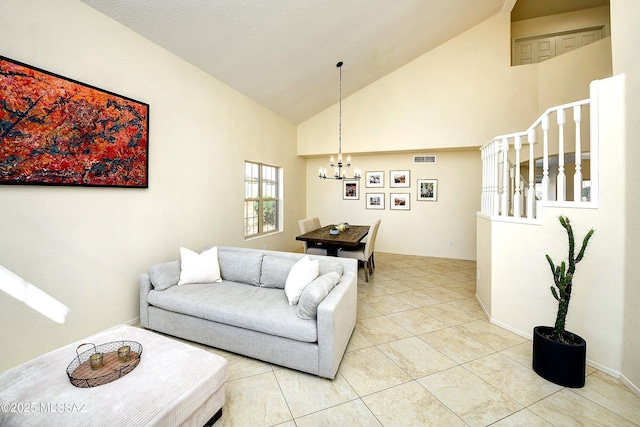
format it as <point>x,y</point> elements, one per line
<point>275,182</point>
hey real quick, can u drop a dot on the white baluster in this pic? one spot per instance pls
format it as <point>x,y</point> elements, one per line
<point>504,147</point>
<point>561,179</point>
<point>545,158</point>
<point>495,197</point>
<point>517,144</point>
<point>531,191</point>
<point>577,177</point>
<point>487,173</point>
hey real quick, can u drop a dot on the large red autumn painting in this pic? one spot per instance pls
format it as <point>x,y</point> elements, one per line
<point>56,131</point>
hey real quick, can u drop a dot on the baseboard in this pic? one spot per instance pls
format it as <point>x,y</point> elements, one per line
<point>134,322</point>
<point>486,313</point>
<point>528,336</point>
<point>631,385</point>
<point>591,363</point>
<point>603,368</point>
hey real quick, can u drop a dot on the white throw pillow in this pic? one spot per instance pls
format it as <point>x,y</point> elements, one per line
<point>302,273</point>
<point>203,268</point>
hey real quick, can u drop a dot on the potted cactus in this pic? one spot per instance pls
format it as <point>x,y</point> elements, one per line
<point>560,356</point>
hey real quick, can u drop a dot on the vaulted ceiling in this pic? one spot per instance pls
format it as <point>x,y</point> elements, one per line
<point>283,53</point>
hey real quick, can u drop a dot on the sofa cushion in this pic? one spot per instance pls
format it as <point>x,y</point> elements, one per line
<point>275,271</point>
<point>202,268</point>
<point>259,309</point>
<point>241,266</point>
<point>314,293</point>
<point>164,275</point>
<point>302,273</point>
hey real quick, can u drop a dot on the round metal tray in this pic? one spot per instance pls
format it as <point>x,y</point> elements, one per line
<point>80,372</point>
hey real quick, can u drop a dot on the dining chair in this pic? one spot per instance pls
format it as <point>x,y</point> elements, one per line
<point>307,225</point>
<point>364,252</point>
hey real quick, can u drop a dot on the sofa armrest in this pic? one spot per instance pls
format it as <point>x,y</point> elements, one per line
<point>336,320</point>
<point>145,288</point>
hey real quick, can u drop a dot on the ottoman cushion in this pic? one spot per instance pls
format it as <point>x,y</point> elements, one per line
<point>171,383</point>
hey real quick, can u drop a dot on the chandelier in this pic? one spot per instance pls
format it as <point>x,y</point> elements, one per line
<point>338,173</point>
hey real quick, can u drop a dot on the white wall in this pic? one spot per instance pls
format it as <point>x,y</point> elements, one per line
<point>455,97</point>
<point>558,81</point>
<point>484,267</point>
<point>87,246</point>
<point>626,59</point>
<point>427,227</point>
<point>519,277</point>
<point>447,102</point>
<point>460,94</point>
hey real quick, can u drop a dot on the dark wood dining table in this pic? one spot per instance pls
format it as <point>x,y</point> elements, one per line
<point>321,237</point>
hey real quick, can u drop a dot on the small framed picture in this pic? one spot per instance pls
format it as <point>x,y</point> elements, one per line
<point>399,179</point>
<point>374,179</point>
<point>427,190</point>
<point>350,190</point>
<point>375,201</point>
<point>399,201</point>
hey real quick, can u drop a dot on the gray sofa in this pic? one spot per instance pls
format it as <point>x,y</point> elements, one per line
<point>248,313</point>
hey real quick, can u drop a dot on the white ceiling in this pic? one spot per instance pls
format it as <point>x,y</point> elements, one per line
<point>283,53</point>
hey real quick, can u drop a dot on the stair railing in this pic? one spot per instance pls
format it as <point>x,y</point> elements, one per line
<point>508,160</point>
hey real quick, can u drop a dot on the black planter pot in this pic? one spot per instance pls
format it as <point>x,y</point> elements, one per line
<point>562,364</point>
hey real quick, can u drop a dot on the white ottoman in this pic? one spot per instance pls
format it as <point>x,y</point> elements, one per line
<point>174,384</point>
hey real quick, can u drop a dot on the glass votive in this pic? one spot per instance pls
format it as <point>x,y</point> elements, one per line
<point>124,353</point>
<point>95,361</point>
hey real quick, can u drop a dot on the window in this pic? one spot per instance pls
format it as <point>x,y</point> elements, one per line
<point>261,199</point>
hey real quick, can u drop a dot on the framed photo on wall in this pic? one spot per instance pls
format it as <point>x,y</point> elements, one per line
<point>350,190</point>
<point>427,190</point>
<point>399,179</point>
<point>375,201</point>
<point>399,201</point>
<point>374,179</point>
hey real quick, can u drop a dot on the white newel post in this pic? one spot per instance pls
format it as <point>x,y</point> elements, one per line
<point>594,141</point>
<point>504,147</point>
<point>531,191</point>
<point>577,177</point>
<point>561,180</point>
<point>516,196</point>
<point>483,182</point>
<point>545,158</point>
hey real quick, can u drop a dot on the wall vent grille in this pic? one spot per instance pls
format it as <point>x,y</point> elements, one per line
<point>422,159</point>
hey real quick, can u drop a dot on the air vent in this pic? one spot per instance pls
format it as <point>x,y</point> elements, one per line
<point>422,159</point>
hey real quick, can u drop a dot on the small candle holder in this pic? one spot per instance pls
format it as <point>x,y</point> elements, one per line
<point>124,353</point>
<point>95,361</point>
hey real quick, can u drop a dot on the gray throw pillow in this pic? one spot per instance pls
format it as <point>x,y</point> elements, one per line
<point>241,266</point>
<point>314,293</point>
<point>328,266</point>
<point>164,275</point>
<point>275,271</point>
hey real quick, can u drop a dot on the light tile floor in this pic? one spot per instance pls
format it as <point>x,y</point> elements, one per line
<point>422,353</point>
